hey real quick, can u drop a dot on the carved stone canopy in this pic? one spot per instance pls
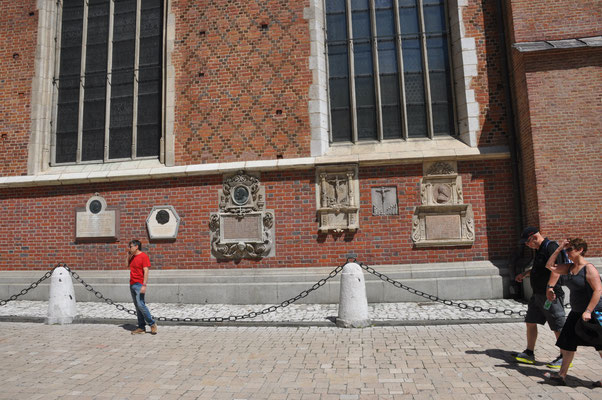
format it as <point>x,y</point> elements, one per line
<point>242,228</point>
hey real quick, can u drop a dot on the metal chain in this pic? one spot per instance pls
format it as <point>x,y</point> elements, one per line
<point>99,295</point>
<point>463,306</point>
<point>252,314</point>
<point>32,286</point>
<point>266,310</point>
<point>273,308</point>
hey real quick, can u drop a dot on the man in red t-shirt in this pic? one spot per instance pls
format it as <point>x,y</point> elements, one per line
<point>139,263</point>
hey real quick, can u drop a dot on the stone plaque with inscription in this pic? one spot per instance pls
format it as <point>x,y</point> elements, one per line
<point>163,223</point>
<point>442,227</point>
<point>235,229</point>
<point>96,221</point>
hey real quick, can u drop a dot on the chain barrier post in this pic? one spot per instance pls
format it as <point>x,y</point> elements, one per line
<point>61,298</point>
<point>353,303</point>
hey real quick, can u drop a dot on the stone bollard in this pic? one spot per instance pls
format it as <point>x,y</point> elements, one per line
<point>353,305</point>
<point>61,300</point>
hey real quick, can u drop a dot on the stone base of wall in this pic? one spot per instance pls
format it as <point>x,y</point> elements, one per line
<point>460,280</point>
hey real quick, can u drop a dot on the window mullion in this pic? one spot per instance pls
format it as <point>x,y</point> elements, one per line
<point>379,116</point>
<point>164,85</point>
<point>136,74</point>
<point>454,110</point>
<point>425,67</point>
<point>56,81</point>
<point>108,79</point>
<point>352,100</point>
<point>82,84</point>
<point>400,71</point>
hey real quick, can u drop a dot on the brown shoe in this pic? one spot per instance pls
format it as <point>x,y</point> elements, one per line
<point>137,331</point>
<point>154,329</point>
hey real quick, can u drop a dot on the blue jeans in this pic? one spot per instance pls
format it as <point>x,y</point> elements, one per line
<point>142,312</point>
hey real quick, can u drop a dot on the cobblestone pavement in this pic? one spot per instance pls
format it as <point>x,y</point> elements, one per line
<point>391,312</point>
<point>103,361</point>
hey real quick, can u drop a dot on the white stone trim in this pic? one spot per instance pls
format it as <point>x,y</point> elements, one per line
<point>465,68</point>
<point>319,112</point>
<point>42,95</point>
<point>153,169</point>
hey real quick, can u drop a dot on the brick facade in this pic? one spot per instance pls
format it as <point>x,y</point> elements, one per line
<point>242,83</point>
<point>40,227</point>
<point>559,109</point>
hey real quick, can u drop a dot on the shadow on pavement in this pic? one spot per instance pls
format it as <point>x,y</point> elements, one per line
<point>128,327</point>
<point>529,370</point>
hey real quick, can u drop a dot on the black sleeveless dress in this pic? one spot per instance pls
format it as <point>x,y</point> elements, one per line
<point>581,294</point>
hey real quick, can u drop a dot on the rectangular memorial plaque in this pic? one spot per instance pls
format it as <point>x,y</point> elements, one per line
<point>90,226</point>
<point>241,228</point>
<point>443,227</point>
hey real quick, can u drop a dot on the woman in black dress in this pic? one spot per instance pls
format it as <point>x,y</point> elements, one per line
<point>584,282</point>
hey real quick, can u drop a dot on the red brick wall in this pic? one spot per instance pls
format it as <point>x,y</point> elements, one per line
<point>481,22</point>
<point>552,20</point>
<point>565,103</point>
<point>18,30</point>
<point>38,223</point>
<point>241,90</point>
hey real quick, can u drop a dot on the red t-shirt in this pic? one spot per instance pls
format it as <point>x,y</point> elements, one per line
<point>137,265</point>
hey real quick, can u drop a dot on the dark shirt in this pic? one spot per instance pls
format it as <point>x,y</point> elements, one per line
<point>581,291</point>
<point>540,275</point>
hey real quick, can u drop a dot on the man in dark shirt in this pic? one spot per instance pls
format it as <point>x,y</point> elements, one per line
<point>538,312</point>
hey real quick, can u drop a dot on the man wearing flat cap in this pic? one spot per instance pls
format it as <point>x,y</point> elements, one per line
<point>541,279</point>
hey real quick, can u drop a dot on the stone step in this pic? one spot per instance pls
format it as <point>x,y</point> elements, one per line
<point>467,280</point>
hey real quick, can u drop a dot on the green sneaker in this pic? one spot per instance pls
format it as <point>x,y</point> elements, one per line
<point>557,363</point>
<point>525,358</point>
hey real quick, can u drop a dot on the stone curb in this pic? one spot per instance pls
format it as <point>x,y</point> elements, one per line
<point>328,323</point>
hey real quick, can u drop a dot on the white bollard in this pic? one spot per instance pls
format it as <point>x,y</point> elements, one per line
<point>61,301</point>
<point>353,304</point>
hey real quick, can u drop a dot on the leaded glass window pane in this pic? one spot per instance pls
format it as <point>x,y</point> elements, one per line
<point>116,70</point>
<point>386,60</point>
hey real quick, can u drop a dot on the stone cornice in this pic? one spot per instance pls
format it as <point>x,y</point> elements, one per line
<point>144,170</point>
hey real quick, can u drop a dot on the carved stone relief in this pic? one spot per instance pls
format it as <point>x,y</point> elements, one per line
<point>442,219</point>
<point>242,228</point>
<point>337,197</point>
<point>384,200</point>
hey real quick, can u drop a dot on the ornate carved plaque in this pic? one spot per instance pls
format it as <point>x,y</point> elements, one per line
<point>442,219</point>
<point>242,228</point>
<point>337,197</point>
<point>96,221</point>
<point>163,222</point>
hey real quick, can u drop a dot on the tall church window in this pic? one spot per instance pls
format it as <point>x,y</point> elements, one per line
<point>389,70</point>
<point>108,81</point>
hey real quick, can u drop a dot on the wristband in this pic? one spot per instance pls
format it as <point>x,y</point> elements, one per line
<point>549,287</point>
<point>586,310</point>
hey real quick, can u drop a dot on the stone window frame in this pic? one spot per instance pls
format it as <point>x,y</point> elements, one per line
<point>464,65</point>
<point>44,97</point>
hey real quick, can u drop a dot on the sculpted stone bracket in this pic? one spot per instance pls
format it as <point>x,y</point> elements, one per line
<point>242,228</point>
<point>337,198</point>
<point>442,219</point>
